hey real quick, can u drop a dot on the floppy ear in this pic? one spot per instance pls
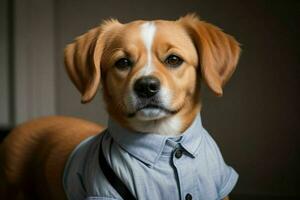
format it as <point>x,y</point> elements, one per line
<point>218,52</point>
<point>83,57</point>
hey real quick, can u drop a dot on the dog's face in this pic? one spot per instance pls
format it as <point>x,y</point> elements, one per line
<point>151,71</point>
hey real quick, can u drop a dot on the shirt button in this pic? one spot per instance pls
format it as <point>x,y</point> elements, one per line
<point>188,196</point>
<point>178,153</point>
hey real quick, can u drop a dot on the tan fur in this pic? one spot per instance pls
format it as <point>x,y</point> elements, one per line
<point>35,153</point>
<point>218,51</point>
<point>82,59</point>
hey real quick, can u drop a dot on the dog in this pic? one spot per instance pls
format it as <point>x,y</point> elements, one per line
<point>151,73</point>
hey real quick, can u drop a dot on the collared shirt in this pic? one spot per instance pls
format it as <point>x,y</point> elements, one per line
<point>152,166</point>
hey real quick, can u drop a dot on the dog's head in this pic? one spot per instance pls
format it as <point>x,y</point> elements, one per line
<point>151,71</point>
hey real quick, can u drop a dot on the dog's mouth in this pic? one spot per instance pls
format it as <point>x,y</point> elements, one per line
<point>151,111</point>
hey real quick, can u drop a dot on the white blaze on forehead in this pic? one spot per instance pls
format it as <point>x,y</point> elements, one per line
<point>148,32</point>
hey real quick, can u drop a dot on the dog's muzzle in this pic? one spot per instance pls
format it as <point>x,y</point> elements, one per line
<point>148,104</point>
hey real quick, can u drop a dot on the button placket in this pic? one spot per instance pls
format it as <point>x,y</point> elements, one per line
<point>177,154</point>
<point>184,176</point>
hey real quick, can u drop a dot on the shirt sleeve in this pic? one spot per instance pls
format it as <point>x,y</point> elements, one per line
<point>75,190</point>
<point>228,181</point>
<point>73,182</point>
<point>225,176</point>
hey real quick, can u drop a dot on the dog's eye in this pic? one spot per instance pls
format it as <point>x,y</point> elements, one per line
<point>173,61</point>
<point>123,64</point>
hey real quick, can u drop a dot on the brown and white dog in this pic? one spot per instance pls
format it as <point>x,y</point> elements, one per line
<point>133,62</point>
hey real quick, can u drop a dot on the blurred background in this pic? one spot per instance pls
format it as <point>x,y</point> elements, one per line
<point>256,123</point>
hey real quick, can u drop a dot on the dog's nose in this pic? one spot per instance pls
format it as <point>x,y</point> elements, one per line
<point>146,86</point>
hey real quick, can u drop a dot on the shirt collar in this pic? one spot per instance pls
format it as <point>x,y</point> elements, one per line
<point>148,147</point>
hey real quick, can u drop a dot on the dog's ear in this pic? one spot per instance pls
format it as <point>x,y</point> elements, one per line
<point>83,56</point>
<point>218,52</point>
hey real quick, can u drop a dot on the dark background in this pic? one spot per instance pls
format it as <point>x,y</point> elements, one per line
<point>256,122</point>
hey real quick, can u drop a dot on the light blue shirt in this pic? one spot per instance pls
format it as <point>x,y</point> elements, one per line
<point>149,167</point>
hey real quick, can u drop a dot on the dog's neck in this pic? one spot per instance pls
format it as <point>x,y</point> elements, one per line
<point>115,126</point>
<point>166,126</point>
<point>169,126</point>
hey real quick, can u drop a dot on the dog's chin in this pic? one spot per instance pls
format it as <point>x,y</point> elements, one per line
<point>150,114</point>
